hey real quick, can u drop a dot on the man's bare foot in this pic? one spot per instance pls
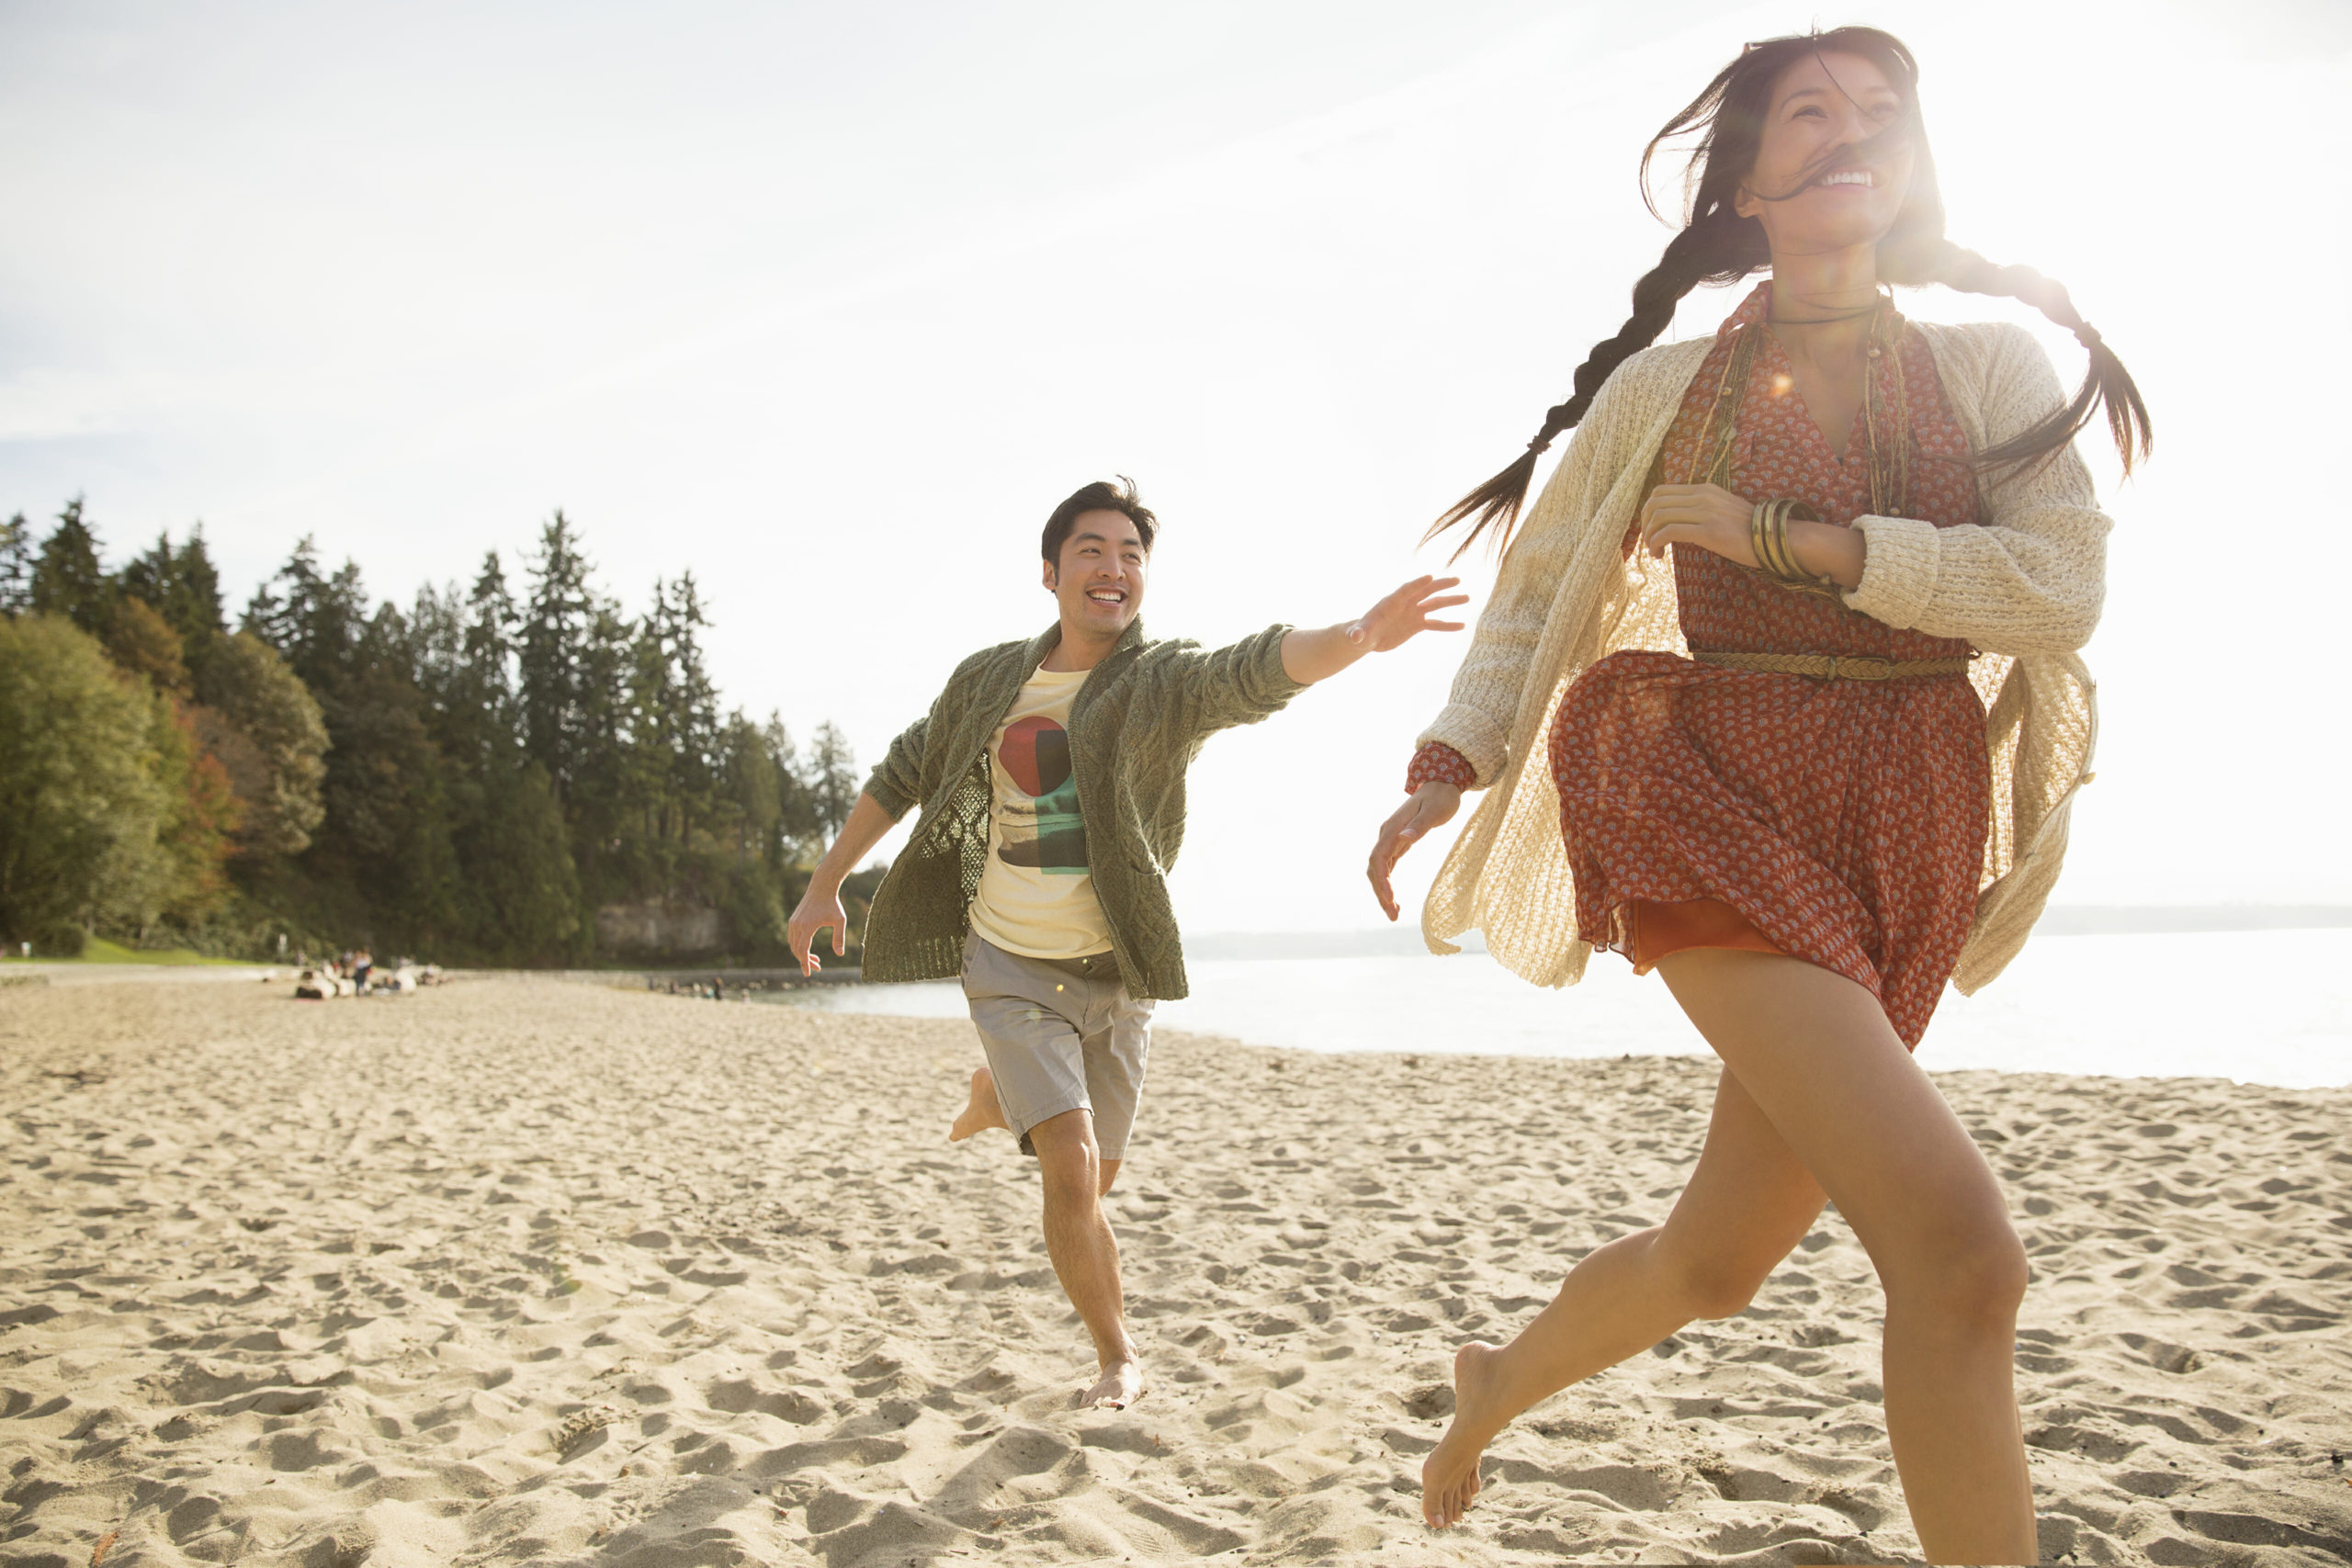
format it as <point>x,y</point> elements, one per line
<point>1450,1476</point>
<point>980,1112</point>
<point>1120,1385</point>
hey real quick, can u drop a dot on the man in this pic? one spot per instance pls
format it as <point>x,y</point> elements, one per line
<point>1051,777</point>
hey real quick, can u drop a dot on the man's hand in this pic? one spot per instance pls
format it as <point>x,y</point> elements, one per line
<point>1395,620</point>
<point>819,907</point>
<point>1432,806</point>
<point>1309,657</point>
<point>822,905</point>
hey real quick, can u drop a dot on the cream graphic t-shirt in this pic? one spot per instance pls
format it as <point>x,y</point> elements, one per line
<point>1036,897</point>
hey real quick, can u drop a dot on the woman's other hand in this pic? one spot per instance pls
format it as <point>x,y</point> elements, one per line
<point>1706,515</point>
<point>1431,807</point>
<point>1712,518</point>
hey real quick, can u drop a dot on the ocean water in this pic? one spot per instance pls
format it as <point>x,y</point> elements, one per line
<point>2271,1007</point>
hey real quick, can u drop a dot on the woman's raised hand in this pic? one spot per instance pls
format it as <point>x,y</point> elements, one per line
<point>1431,807</point>
<point>1706,515</point>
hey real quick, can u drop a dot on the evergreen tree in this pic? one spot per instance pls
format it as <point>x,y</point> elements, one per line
<point>67,579</point>
<point>383,860</point>
<point>465,666</point>
<point>485,693</point>
<point>312,620</point>
<point>436,624</point>
<point>559,622</point>
<point>832,779</point>
<point>183,587</point>
<point>16,566</point>
<point>674,730</point>
<point>759,792</point>
<point>517,901</point>
<point>576,662</point>
<point>647,825</point>
<point>695,729</point>
<point>609,857</point>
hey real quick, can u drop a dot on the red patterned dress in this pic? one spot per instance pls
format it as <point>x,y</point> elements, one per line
<point>1838,821</point>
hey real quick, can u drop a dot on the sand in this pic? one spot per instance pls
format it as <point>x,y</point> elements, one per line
<point>520,1271</point>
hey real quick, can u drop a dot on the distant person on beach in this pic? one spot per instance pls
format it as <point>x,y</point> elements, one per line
<point>1811,822</point>
<point>1051,777</point>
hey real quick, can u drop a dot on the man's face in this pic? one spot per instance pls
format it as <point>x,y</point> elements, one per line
<point>1097,583</point>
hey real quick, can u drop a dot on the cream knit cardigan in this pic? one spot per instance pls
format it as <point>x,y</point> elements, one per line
<point>2024,586</point>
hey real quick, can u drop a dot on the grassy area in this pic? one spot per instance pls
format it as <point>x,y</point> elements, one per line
<point>97,950</point>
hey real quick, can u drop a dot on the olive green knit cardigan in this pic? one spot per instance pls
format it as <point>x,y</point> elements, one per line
<point>1135,724</point>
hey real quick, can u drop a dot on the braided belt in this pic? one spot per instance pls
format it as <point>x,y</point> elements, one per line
<point>1835,666</point>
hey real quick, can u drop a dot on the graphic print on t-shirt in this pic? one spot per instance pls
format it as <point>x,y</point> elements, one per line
<point>1044,832</point>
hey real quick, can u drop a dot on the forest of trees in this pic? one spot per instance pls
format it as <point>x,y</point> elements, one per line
<point>497,774</point>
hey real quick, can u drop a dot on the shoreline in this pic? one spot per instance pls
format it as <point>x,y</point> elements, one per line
<point>517,1271</point>
<point>2125,1007</point>
<point>838,991</point>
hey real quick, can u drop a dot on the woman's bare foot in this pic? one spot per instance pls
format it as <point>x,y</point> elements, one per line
<point>980,1112</point>
<point>1450,1476</point>
<point>1120,1385</point>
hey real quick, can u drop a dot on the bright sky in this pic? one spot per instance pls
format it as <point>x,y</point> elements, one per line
<point>830,304</point>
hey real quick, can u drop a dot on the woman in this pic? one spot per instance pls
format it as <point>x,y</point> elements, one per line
<point>1812,821</point>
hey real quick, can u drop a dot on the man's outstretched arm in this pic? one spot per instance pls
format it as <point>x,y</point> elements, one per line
<point>1309,657</point>
<point>822,905</point>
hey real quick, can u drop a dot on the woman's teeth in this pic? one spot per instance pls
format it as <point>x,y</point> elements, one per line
<point>1850,177</point>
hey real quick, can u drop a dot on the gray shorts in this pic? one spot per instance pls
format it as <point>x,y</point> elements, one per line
<point>1060,1034</point>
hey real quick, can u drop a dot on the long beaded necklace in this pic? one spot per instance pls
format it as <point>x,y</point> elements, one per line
<point>1886,410</point>
<point>1886,416</point>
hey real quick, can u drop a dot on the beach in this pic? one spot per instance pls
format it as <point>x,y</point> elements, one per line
<point>517,1271</point>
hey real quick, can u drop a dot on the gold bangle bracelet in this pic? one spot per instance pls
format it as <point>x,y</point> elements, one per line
<point>1776,540</point>
<point>1781,548</point>
<point>1767,530</point>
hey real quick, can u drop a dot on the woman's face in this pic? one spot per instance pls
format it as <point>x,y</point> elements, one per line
<point>1808,188</point>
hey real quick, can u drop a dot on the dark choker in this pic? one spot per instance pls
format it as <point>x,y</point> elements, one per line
<point>1825,320</point>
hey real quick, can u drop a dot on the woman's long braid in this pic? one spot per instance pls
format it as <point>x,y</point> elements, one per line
<point>1693,256</point>
<point>2107,382</point>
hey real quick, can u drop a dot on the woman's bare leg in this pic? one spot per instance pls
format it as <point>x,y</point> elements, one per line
<point>1816,1054</point>
<point>1746,1204</point>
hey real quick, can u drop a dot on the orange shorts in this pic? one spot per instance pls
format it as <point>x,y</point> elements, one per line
<point>1655,930</point>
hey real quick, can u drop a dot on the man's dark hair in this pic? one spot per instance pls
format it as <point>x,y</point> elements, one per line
<point>1100,496</point>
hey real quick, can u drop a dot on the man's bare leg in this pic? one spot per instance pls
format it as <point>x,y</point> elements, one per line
<point>981,1112</point>
<point>1085,1254</point>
